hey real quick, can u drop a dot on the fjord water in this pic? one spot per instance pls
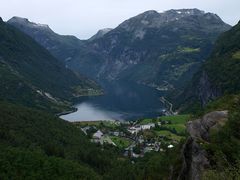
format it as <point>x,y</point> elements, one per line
<point>121,101</point>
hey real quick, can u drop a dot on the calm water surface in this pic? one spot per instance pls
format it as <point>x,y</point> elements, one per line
<point>122,101</point>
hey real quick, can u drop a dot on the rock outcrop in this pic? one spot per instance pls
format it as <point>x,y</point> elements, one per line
<point>194,156</point>
<point>100,34</point>
<point>206,90</point>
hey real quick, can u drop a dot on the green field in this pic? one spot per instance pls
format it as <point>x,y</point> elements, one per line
<point>120,141</point>
<point>177,119</point>
<point>180,128</point>
<point>110,124</point>
<point>145,121</point>
<point>189,49</point>
<point>169,135</point>
<point>236,55</point>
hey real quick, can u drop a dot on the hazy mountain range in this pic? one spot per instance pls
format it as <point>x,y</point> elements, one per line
<point>157,49</point>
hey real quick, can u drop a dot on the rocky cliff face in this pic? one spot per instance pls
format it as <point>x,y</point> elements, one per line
<point>157,49</point>
<point>219,74</point>
<point>195,158</point>
<point>206,90</point>
<point>100,34</point>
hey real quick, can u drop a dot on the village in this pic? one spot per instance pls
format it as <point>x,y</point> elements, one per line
<point>136,138</point>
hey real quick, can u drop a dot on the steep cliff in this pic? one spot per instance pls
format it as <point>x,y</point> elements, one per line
<point>195,158</point>
<point>219,75</point>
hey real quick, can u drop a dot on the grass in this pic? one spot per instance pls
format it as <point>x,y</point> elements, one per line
<point>169,135</point>
<point>176,119</point>
<point>177,122</point>
<point>180,128</point>
<point>189,50</point>
<point>120,141</point>
<point>109,124</point>
<point>236,55</point>
<point>146,121</point>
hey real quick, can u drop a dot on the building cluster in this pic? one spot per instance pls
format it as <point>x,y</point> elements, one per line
<point>138,144</point>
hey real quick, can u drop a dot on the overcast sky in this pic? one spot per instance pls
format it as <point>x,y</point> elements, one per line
<point>83,18</point>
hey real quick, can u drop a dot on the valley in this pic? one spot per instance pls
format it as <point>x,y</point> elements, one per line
<point>155,98</point>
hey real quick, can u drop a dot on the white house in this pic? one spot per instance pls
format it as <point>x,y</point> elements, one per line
<point>134,129</point>
<point>98,135</point>
<point>147,126</point>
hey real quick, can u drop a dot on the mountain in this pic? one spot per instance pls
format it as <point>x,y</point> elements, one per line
<point>62,47</point>
<point>158,49</point>
<point>161,50</point>
<point>100,34</point>
<point>219,75</point>
<point>30,75</point>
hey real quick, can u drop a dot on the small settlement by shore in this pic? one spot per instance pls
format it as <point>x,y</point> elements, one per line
<point>136,138</point>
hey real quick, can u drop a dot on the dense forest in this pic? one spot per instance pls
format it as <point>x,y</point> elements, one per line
<point>38,145</point>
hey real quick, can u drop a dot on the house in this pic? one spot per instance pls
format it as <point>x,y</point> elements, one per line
<point>147,149</point>
<point>116,133</point>
<point>97,135</point>
<point>147,126</point>
<point>140,139</point>
<point>134,129</point>
<point>170,146</point>
<point>85,129</point>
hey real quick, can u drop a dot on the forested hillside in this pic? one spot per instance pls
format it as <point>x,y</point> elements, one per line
<point>218,76</point>
<point>30,75</point>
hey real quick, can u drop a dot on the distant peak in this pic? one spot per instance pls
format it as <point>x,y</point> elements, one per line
<point>100,33</point>
<point>151,12</point>
<point>194,11</point>
<point>105,30</point>
<point>25,21</point>
<point>18,19</point>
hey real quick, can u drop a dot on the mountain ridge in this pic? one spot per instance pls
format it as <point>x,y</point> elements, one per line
<point>55,43</point>
<point>138,45</point>
<point>219,74</point>
<point>24,67</point>
<point>145,49</point>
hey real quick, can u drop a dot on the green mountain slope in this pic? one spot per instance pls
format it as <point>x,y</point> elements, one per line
<point>215,145</point>
<point>36,144</point>
<point>218,76</point>
<point>157,49</point>
<point>28,70</point>
<point>62,47</point>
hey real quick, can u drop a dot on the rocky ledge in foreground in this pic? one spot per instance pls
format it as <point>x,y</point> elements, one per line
<point>194,156</point>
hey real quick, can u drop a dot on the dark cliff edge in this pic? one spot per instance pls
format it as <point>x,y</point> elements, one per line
<point>206,90</point>
<point>195,158</point>
<point>197,95</point>
<point>218,76</point>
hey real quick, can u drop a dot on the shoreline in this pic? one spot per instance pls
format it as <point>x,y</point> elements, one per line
<point>67,112</point>
<point>74,109</point>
